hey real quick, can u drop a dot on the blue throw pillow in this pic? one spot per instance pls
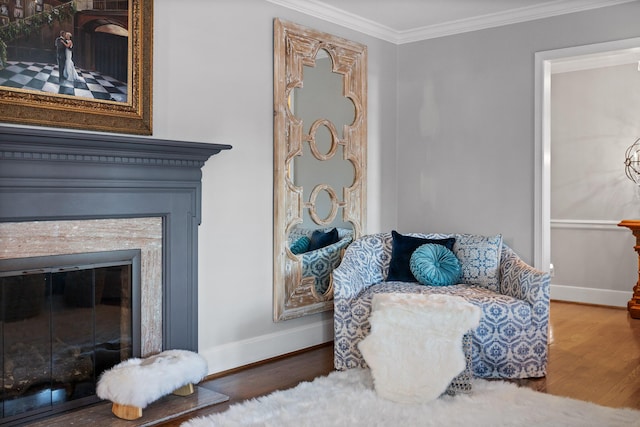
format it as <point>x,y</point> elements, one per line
<point>435,265</point>
<point>401,249</point>
<point>300,246</point>
<point>320,239</point>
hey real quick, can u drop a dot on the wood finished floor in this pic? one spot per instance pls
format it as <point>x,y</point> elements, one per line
<point>594,355</point>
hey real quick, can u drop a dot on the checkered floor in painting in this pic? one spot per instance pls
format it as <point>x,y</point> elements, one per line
<point>44,77</point>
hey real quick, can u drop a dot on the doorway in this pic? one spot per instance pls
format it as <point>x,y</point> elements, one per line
<point>546,64</point>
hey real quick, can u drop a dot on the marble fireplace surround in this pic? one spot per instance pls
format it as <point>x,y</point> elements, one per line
<point>47,238</point>
<point>57,180</point>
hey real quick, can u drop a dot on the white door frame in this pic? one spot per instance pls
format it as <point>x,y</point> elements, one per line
<point>542,135</point>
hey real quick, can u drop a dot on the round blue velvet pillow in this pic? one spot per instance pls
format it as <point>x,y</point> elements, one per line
<point>300,246</point>
<point>435,265</point>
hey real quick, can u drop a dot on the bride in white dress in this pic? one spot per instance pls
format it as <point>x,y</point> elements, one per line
<point>70,72</point>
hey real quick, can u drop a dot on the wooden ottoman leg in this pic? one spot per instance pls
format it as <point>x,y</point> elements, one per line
<point>126,412</point>
<point>185,390</point>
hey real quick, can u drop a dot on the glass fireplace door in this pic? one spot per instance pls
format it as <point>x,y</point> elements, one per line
<point>61,327</point>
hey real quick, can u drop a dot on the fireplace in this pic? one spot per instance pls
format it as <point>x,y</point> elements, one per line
<point>71,194</point>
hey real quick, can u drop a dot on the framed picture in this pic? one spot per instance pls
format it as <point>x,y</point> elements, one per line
<point>84,68</point>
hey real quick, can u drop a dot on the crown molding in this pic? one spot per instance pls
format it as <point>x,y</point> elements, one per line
<point>340,17</point>
<point>343,18</point>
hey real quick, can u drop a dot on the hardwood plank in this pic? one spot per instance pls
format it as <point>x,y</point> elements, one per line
<point>594,355</point>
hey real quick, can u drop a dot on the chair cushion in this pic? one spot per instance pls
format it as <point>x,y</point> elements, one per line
<point>498,310</point>
<point>504,320</point>
<point>401,250</point>
<point>435,265</point>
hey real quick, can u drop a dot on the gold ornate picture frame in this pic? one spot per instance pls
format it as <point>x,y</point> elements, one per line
<point>130,113</point>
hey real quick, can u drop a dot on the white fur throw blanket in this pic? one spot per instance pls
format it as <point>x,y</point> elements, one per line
<point>138,382</point>
<point>414,349</point>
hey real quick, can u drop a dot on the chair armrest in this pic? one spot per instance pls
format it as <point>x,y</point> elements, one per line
<point>520,280</point>
<point>319,263</point>
<point>365,263</point>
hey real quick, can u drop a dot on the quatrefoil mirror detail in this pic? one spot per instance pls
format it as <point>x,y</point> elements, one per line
<point>319,163</point>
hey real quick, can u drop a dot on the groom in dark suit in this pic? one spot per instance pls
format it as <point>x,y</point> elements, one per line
<point>61,55</point>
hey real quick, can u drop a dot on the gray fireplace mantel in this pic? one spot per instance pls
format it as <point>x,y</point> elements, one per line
<point>57,175</point>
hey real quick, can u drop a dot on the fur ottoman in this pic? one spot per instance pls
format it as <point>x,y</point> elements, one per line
<point>415,346</point>
<point>133,384</point>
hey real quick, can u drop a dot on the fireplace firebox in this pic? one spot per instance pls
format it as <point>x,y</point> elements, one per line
<point>64,319</point>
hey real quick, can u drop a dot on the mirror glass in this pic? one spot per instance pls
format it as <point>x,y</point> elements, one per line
<point>324,112</point>
<point>319,163</point>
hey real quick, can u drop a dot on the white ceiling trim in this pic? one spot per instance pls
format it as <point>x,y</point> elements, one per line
<point>346,19</point>
<point>514,16</point>
<point>341,17</point>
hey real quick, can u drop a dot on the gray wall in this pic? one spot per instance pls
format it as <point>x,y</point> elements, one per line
<point>466,122</point>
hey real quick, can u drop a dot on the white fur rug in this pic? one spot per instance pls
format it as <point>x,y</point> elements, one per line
<point>347,399</point>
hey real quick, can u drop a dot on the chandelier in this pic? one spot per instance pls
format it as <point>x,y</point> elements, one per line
<point>632,162</point>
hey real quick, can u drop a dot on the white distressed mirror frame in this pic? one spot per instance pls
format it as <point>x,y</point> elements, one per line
<point>294,47</point>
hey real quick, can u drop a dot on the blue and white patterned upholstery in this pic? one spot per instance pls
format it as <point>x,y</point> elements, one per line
<point>321,262</point>
<point>511,340</point>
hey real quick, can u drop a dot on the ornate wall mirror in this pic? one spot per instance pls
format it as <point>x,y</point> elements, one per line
<point>320,136</point>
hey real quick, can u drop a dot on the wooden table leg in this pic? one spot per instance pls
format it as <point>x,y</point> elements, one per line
<point>633,306</point>
<point>634,303</point>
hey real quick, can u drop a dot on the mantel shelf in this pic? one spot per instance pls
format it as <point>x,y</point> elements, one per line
<point>39,144</point>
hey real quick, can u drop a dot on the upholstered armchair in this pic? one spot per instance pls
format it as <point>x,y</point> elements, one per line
<point>511,339</point>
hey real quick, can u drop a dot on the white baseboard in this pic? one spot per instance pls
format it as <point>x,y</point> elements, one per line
<point>590,295</point>
<point>240,353</point>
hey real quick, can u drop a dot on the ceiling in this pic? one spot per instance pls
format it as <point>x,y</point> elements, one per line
<point>405,21</point>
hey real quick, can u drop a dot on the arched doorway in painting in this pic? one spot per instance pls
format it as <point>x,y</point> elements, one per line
<point>112,54</point>
<point>105,42</point>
